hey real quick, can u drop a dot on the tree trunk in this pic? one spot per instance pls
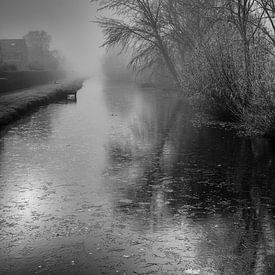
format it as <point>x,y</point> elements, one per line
<point>170,64</point>
<point>248,71</point>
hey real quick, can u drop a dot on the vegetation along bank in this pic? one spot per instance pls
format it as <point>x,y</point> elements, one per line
<point>219,53</point>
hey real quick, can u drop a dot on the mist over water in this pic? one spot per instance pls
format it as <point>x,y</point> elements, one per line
<point>126,175</point>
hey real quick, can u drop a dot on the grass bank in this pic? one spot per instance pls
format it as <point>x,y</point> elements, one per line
<point>18,103</point>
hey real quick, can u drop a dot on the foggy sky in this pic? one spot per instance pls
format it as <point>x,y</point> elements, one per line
<point>67,21</point>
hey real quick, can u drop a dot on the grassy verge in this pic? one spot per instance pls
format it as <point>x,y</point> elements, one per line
<point>16,104</point>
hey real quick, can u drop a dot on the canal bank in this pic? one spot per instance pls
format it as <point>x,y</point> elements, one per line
<point>18,103</point>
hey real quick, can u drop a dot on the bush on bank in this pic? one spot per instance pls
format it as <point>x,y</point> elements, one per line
<point>215,74</point>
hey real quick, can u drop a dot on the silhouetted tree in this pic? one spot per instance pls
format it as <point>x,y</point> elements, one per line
<point>39,52</point>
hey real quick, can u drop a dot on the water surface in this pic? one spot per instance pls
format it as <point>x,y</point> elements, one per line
<point>124,182</point>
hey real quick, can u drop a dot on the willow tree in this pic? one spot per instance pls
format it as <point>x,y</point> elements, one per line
<point>268,10</point>
<point>139,25</point>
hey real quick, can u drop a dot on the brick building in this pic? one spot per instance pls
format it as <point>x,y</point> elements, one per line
<point>14,52</point>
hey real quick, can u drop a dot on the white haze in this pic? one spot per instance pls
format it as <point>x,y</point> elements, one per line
<point>67,21</point>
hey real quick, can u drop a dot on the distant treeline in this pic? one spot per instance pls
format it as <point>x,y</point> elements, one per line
<point>220,53</point>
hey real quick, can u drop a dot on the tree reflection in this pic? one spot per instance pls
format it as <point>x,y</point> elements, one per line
<point>178,173</point>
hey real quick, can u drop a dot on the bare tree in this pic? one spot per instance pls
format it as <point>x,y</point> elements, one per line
<point>241,14</point>
<point>141,26</point>
<point>268,10</point>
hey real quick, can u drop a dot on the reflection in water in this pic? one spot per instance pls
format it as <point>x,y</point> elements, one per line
<point>122,181</point>
<point>202,177</point>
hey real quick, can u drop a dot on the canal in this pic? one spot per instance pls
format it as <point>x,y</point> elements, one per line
<point>124,181</point>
